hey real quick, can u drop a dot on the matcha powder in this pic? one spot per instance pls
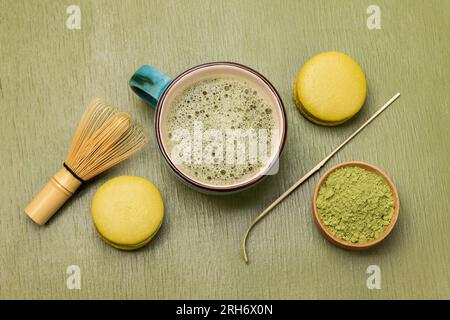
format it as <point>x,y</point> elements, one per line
<point>355,205</point>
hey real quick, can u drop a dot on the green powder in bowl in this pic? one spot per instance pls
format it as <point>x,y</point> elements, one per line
<point>355,205</point>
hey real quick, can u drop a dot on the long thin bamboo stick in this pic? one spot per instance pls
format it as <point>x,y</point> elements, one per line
<point>309,174</point>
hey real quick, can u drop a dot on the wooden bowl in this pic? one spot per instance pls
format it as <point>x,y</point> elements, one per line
<point>342,243</point>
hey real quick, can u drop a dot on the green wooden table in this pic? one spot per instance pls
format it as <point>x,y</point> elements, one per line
<point>48,73</point>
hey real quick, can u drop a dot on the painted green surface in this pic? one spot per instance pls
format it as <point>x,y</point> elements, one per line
<point>49,73</point>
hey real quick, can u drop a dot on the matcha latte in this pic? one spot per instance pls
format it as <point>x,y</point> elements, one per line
<point>221,131</point>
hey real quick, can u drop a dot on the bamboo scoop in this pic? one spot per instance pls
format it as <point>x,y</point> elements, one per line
<point>309,174</point>
<point>104,138</point>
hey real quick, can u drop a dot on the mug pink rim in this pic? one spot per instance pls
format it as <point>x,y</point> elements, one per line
<point>198,184</point>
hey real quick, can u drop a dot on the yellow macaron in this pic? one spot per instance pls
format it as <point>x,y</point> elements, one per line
<point>330,88</point>
<point>127,212</point>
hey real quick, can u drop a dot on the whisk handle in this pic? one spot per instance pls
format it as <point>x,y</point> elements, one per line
<point>55,193</point>
<point>149,83</point>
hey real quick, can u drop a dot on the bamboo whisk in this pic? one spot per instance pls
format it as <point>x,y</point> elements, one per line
<point>104,138</point>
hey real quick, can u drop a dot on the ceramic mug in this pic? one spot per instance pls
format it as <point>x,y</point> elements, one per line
<point>159,90</point>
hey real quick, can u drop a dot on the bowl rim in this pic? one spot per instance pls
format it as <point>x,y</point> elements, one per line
<point>342,243</point>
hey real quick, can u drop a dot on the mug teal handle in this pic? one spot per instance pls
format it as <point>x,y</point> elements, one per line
<point>149,84</point>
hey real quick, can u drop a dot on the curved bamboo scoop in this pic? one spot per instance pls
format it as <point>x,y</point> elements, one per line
<point>309,174</point>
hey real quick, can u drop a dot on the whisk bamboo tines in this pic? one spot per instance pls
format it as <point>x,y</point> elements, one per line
<point>104,138</point>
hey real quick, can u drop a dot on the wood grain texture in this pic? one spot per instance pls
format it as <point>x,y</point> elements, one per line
<point>49,73</point>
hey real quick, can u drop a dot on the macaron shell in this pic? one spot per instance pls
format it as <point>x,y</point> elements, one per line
<point>330,88</point>
<point>127,211</point>
<point>309,116</point>
<point>125,247</point>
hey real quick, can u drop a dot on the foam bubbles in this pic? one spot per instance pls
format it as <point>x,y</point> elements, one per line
<point>221,103</point>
